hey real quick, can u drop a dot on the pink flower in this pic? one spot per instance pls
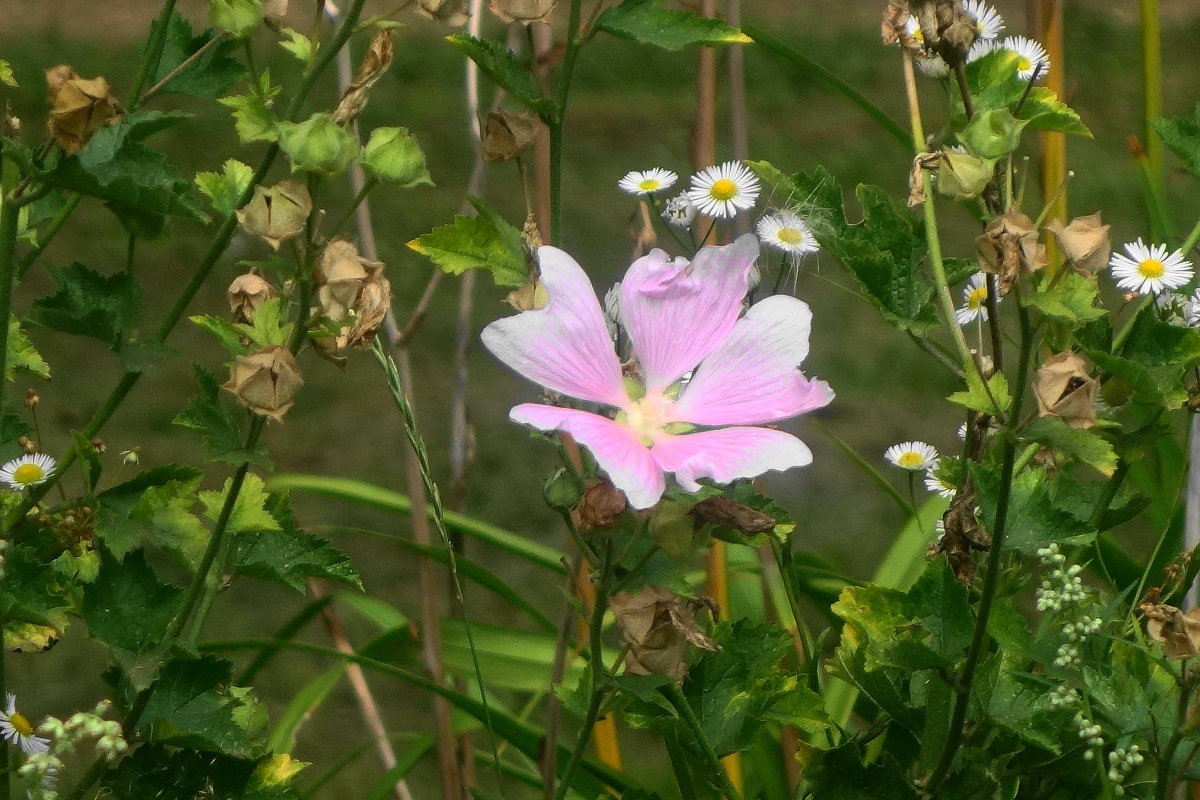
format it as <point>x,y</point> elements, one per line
<point>679,317</point>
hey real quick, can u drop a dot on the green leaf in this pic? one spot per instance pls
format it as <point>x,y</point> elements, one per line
<point>1082,445</point>
<point>1154,343</point>
<point>484,242</point>
<point>269,325</point>
<point>156,507</point>
<point>89,304</point>
<point>238,17</point>
<point>225,189</point>
<point>1035,516</point>
<point>223,437</point>
<point>647,22</point>
<point>1070,299</point>
<point>297,44</point>
<point>1159,386</point>
<point>499,63</point>
<point>994,84</point>
<point>287,555</point>
<point>1181,135</point>
<point>249,509</point>
<point>128,608</point>
<point>6,74</point>
<point>32,604</point>
<point>994,399</point>
<point>228,332</point>
<point>252,116</point>
<point>207,75</point>
<point>155,771</point>
<point>22,355</point>
<point>845,772</point>
<point>193,705</point>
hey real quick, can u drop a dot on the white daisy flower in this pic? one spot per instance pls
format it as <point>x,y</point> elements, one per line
<point>1146,269</point>
<point>974,300</point>
<point>912,456</point>
<point>980,48</point>
<point>786,231</point>
<point>1031,56</point>
<point>724,190</point>
<point>988,22</point>
<point>26,471</point>
<point>647,181</point>
<point>1191,310</point>
<point>939,486</point>
<point>679,211</point>
<point>933,66</point>
<point>16,728</point>
<point>913,29</point>
<point>961,433</point>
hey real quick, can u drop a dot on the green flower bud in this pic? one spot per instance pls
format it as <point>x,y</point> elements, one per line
<point>963,176</point>
<point>993,133</point>
<point>393,155</point>
<point>238,17</point>
<point>318,144</point>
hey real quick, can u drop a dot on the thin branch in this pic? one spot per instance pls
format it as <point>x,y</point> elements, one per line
<point>187,62</point>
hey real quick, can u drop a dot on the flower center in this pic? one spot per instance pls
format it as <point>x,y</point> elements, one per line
<point>723,189</point>
<point>20,724</point>
<point>28,473</point>
<point>1151,268</point>
<point>911,459</point>
<point>977,298</point>
<point>1024,64</point>
<point>790,235</point>
<point>648,185</point>
<point>650,415</point>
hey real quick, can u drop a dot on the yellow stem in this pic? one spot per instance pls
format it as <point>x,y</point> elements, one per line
<point>1054,144</point>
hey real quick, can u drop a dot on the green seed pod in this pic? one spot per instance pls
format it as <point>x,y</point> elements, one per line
<point>393,155</point>
<point>318,144</point>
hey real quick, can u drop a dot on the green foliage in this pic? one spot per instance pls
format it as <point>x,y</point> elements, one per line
<point>22,355</point>
<point>499,64</point>
<point>283,553</point>
<point>994,85</point>
<point>1182,136</point>
<point>1040,510</point>
<point>992,398</point>
<point>6,74</point>
<point>207,75</point>
<point>252,115</point>
<point>1075,443</point>
<point>239,18</point>
<point>225,189</point>
<point>297,44</point>
<point>154,771</point>
<point>89,304</point>
<point>648,22</point>
<point>249,510</point>
<point>318,144</point>
<point>484,242</point>
<point>32,602</point>
<point>223,437</point>
<point>154,508</point>
<point>1069,298</point>
<point>992,133</point>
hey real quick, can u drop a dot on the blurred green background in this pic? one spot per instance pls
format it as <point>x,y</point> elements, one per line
<point>631,108</point>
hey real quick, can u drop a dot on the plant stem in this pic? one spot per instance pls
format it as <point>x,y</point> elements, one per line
<point>51,230</point>
<point>1152,88</point>
<point>154,52</point>
<point>555,123</point>
<point>4,760</point>
<point>783,561</point>
<point>367,186</point>
<point>1191,239</point>
<point>688,716</point>
<point>9,215</point>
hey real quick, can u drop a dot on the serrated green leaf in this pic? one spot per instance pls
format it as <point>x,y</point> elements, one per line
<point>89,304</point>
<point>1154,385</point>
<point>238,17</point>
<point>499,64</point>
<point>206,75</point>
<point>269,325</point>
<point>1181,135</point>
<point>994,399</point>
<point>223,437</point>
<point>154,509</point>
<point>155,771</point>
<point>228,332</point>
<point>128,609</point>
<point>32,604</point>
<point>648,22</point>
<point>6,74</point>
<point>484,242</point>
<point>290,556</point>
<point>297,44</point>
<point>252,116</point>
<point>1077,443</point>
<point>226,188</point>
<point>1035,519</point>
<point>994,84</point>
<point>1155,343</point>
<point>22,355</point>
<point>249,509</point>
<point>144,357</point>
<point>1071,299</point>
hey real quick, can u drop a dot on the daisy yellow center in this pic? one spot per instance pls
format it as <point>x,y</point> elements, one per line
<point>977,298</point>
<point>911,460</point>
<point>1024,64</point>
<point>20,724</point>
<point>1151,268</point>
<point>790,235</point>
<point>723,189</point>
<point>28,473</point>
<point>648,184</point>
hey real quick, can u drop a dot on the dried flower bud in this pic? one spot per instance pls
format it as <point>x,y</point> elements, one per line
<point>731,514</point>
<point>78,107</point>
<point>265,381</point>
<point>947,28</point>
<point>524,11</point>
<point>1084,242</point>
<point>600,505</point>
<point>449,12</point>
<point>318,144</point>
<point>1064,389</point>
<point>32,398</point>
<point>277,213</point>
<point>894,27</point>
<point>22,441</point>
<point>530,297</point>
<point>1009,248</point>
<point>374,302</point>
<point>247,293</point>
<point>658,625</point>
<point>395,156</point>
<point>1178,633</point>
<point>341,274</point>
<point>273,13</point>
<point>506,135</point>
<point>916,176</point>
<point>374,64</point>
<point>132,455</point>
<point>30,447</point>
<point>99,446</point>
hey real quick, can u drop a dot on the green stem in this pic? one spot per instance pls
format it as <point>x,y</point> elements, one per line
<point>368,185</point>
<point>48,233</point>
<point>1187,685</point>
<point>675,695</point>
<point>555,123</point>
<point>9,215</point>
<point>4,761</point>
<point>783,560</point>
<point>1152,88</point>
<point>1192,238</point>
<point>154,54</point>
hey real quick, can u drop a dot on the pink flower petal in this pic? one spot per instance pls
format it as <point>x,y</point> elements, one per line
<point>618,449</point>
<point>565,345</point>
<point>676,313</point>
<point>753,376</point>
<point>727,454</point>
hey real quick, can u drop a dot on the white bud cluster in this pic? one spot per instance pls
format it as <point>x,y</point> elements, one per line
<point>1121,762</point>
<point>1074,633</point>
<point>1063,697</point>
<point>1089,732</point>
<point>1063,589</point>
<point>40,772</point>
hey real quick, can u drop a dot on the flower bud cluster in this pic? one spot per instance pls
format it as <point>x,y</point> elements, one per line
<point>40,770</point>
<point>1062,696</point>
<point>1074,633</point>
<point>1121,762</point>
<point>1089,732</point>
<point>1063,588</point>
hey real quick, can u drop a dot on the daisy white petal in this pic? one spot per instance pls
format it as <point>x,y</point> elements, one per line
<point>938,486</point>
<point>974,300</point>
<point>679,211</point>
<point>1146,269</point>
<point>1032,58</point>
<point>786,231</point>
<point>724,190</point>
<point>26,471</point>
<point>15,727</point>
<point>647,181</point>
<point>988,22</point>
<point>980,48</point>
<point>912,456</point>
<point>913,29</point>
